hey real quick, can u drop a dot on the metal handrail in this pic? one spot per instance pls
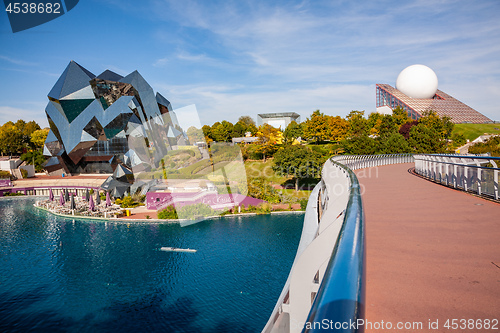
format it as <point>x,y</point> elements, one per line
<point>355,162</point>
<point>341,296</point>
<point>469,173</point>
<point>328,273</point>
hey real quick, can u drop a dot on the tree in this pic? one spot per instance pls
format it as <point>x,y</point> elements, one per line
<point>213,130</point>
<point>360,145</point>
<point>35,158</point>
<point>297,161</point>
<point>38,137</point>
<point>222,132</point>
<point>337,128</point>
<point>316,127</point>
<point>11,139</point>
<point>442,125</point>
<point>387,126</point>
<point>269,136</point>
<point>427,140</point>
<point>400,116</point>
<point>239,129</point>
<point>431,133</point>
<point>267,149</point>
<point>207,132</point>
<point>260,188</point>
<point>404,130</point>
<point>374,121</point>
<point>252,129</point>
<point>394,143</point>
<point>292,132</point>
<point>26,129</point>
<point>358,125</point>
<point>195,135</point>
<point>458,139</point>
<point>247,120</point>
<point>268,133</point>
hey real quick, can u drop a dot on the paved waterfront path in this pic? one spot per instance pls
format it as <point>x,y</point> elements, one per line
<point>54,181</point>
<point>429,251</point>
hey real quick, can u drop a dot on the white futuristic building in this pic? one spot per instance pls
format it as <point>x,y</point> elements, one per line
<point>417,91</point>
<point>278,120</point>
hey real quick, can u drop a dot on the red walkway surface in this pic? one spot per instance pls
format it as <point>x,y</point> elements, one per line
<point>432,252</point>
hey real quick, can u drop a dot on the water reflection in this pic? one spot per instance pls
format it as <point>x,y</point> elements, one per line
<point>70,275</point>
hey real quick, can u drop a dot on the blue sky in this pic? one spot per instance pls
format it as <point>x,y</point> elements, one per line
<point>233,58</point>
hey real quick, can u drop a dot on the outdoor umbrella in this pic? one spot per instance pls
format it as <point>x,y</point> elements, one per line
<point>91,204</point>
<point>66,195</point>
<point>87,195</point>
<point>97,199</point>
<point>61,199</point>
<point>108,200</point>
<point>72,203</point>
<point>51,195</point>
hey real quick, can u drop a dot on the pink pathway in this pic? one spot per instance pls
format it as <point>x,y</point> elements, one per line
<point>433,253</point>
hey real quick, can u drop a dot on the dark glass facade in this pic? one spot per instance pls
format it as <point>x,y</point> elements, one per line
<point>97,123</point>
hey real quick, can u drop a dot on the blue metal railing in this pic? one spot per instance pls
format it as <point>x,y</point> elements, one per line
<point>341,298</point>
<point>333,251</point>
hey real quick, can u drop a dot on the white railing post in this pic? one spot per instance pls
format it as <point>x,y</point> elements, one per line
<point>495,183</point>
<point>454,176</point>
<point>465,178</point>
<point>479,180</point>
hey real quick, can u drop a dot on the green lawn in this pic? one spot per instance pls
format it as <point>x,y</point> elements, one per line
<point>472,131</point>
<point>299,195</point>
<point>256,169</point>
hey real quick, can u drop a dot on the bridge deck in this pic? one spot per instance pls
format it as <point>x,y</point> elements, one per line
<point>433,253</point>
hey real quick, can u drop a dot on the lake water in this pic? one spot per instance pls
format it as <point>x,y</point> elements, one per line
<point>64,275</point>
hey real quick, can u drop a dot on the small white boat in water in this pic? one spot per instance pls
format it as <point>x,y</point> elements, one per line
<point>176,249</point>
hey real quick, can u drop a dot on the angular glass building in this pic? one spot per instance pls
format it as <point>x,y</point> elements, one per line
<point>98,123</point>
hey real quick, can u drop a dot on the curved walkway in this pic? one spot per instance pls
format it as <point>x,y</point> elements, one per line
<point>432,253</point>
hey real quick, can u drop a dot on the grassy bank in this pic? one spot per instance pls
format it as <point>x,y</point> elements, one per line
<point>472,131</point>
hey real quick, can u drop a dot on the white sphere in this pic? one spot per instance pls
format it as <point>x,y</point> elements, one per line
<point>417,81</point>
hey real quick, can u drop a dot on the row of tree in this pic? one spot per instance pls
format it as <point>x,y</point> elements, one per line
<point>328,135</point>
<point>25,139</point>
<point>355,134</point>
<point>225,130</point>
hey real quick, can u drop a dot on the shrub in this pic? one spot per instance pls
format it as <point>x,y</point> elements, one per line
<point>168,213</point>
<point>13,194</point>
<point>5,174</point>
<point>249,209</point>
<point>458,139</point>
<point>128,202</point>
<point>24,173</point>
<point>260,188</point>
<point>194,211</point>
<point>303,204</point>
<point>492,146</point>
<point>264,208</point>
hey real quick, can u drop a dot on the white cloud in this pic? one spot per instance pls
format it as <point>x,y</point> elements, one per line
<point>330,56</point>
<point>8,113</point>
<point>160,62</point>
<point>17,61</point>
<point>216,103</point>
